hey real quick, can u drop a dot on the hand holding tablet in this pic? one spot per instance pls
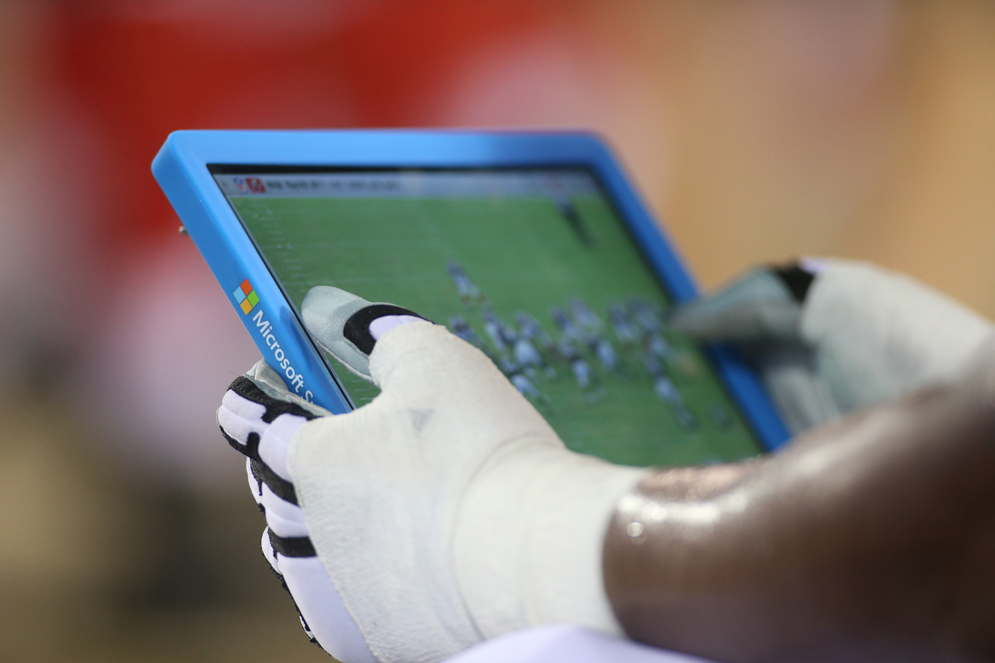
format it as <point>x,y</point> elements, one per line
<point>406,502</point>
<point>448,508</point>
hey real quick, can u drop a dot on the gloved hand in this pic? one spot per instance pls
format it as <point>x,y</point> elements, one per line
<point>444,512</point>
<point>833,336</point>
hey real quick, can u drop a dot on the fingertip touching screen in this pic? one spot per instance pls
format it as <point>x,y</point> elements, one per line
<point>533,266</point>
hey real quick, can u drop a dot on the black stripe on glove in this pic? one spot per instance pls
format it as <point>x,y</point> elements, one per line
<point>357,327</point>
<point>292,546</point>
<point>247,389</point>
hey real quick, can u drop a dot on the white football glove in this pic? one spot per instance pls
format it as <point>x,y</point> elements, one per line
<point>445,512</point>
<point>833,336</point>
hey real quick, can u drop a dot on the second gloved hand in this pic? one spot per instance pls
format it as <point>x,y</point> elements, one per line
<point>833,336</point>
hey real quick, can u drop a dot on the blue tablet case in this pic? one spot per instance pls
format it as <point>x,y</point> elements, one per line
<point>181,170</point>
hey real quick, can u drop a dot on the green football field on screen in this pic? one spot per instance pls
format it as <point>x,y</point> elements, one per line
<point>522,255</point>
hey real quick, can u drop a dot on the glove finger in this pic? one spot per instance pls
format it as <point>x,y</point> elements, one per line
<point>270,382</point>
<point>280,508</point>
<point>258,418</point>
<point>765,304</point>
<point>251,406</point>
<point>323,614</point>
<point>240,419</point>
<point>346,326</point>
<point>275,440</point>
<point>260,472</point>
<point>285,519</point>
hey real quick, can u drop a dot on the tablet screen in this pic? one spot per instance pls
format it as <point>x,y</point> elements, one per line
<point>533,266</point>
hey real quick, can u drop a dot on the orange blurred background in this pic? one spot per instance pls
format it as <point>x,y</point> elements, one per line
<point>758,130</point>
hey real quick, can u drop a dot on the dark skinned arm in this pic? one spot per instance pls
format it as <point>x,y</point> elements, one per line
<point>870,539</point>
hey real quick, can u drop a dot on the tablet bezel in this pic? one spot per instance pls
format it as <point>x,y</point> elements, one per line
<point>181,168</point>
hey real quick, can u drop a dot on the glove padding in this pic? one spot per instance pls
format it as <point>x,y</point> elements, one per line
<point>833,336</point>
<point>444,512</point>
<point>258,417</point>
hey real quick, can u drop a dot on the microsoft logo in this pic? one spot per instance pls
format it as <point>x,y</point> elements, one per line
<point>246,296</point>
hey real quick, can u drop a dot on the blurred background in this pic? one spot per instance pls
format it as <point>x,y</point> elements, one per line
<point>758,130</point>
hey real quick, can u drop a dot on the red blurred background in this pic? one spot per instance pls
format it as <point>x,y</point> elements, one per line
<point>138,73</point>
<point>758,129</point>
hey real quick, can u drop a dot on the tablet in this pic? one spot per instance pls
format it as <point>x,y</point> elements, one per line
<point>533,247</point>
